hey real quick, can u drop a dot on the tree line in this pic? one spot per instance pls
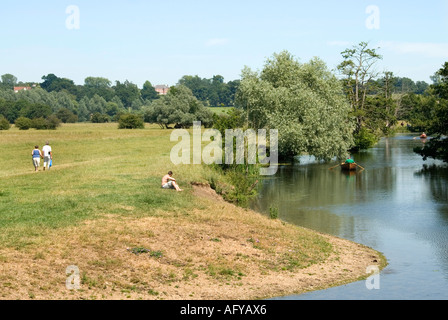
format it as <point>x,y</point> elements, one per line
<point>317,111</point>
<point>98,99</point>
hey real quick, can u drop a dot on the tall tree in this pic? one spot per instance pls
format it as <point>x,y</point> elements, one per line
<point>180,108</point>
<point>54,83</point>
<point>358,68</point>
<point>148,92</point>
<point>9,81</point>
<point>441,87</point>
<point>305,102</point>
<point>437,147</point>
<point>127,92</point>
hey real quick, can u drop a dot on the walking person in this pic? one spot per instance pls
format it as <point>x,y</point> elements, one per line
<point>36,154</point>
<point>47,154</point>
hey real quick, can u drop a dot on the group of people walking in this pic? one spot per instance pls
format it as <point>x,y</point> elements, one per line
<point>45,154</point>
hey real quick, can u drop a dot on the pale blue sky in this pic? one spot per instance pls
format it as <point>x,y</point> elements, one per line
<point>161,41</point>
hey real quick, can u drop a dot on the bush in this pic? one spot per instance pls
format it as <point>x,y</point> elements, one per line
<point>130,121</point>
<point>4,123</point>
<point>51,123</point>
<point>39,123</point>
<point>99,118</point>
<point>364,139</point>
<point>23,123</point>
<point>66,116</point>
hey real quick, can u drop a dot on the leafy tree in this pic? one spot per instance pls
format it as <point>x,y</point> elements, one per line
<point>99,118</point>
<point>358,69</point>
<point>23,123</point>
<point>10,110</point>
<point>441,88</point>
<point>66,116</point>
<point>98,86</point>
<point>127,92</point>
<point>148,92</point>
<point>4,123</point>
<point>32,110</point>
<point>52,122</point>
<point>305,102</point>
<point>179,107</point>
<point>39,123</point>
<point>130,121</point>
<point>9,81</point>
<point>437,146</point>
<point>214,92</point>
<point>54,83</point>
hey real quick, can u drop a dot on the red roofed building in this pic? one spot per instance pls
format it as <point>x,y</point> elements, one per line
<point>162,89</point>
<point>17,89</point>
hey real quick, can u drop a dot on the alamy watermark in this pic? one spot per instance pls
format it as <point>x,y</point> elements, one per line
<point>73,281</point>
<point>373,21</point>
<point>373,282</point>
<point>73,21</point>
<point>256,143</point>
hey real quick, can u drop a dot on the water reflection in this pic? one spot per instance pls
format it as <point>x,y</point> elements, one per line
<point>395,205</point>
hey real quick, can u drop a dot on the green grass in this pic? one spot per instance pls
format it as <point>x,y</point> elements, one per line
<point>98,169</point>
<point>220,110</point>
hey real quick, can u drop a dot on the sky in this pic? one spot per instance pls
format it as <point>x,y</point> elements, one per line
<point>161,41</point>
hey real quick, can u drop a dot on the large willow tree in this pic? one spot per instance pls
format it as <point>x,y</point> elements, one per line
<point>305,102</point>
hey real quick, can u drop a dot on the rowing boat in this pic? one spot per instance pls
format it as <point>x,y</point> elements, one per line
<point>349,166</point>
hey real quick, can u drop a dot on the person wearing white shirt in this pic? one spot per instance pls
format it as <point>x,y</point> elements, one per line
<point>48,155</point>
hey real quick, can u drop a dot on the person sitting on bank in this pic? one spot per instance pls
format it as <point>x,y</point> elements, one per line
<point>168,182</point>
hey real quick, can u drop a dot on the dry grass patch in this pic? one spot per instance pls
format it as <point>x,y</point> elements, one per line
<point>221,252</point>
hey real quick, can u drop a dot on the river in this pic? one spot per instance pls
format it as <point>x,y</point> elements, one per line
<point>398,205</point>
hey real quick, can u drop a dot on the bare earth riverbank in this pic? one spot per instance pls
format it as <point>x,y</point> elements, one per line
<point>216,252</point>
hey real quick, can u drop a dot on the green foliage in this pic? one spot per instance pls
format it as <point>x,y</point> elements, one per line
<point>66,116</point>
<point>357,68</point>
<point>54,83</point>
<point>213,92</point>
<point>127,92</point>
<point>4,123</point>
<point>364,139</point>
<point>380,114</point>
<point>437,146</point>
<point>148,92</point>
<point>232,119</point>
<point>8,81</point>
<point>99,118</point>
<point>180,108</point>
<point>419,110</point>
<point>23,123</point>
<point>50,123</point>
<point>39,124</point>
<point>273,212</point>
<point>441,87</point>
<point>130,121</point>
<point>305,102</point>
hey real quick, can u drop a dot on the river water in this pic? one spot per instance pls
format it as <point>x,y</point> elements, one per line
<point>398,205</point>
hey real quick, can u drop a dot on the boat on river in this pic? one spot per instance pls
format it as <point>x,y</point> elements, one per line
<point>349,166</point>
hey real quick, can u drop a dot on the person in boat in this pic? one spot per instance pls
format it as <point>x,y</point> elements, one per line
<point>423,136</point>
<point>350,160</point>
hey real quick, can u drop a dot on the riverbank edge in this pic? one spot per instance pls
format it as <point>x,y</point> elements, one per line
<point>217,251</point>
<point>369,256</point>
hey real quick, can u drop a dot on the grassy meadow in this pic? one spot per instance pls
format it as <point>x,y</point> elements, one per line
<point>96,169</point>
<point>101,208</point>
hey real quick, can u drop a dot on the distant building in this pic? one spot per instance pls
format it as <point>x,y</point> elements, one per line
<point>162,89</point>
<point>17,89</point>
